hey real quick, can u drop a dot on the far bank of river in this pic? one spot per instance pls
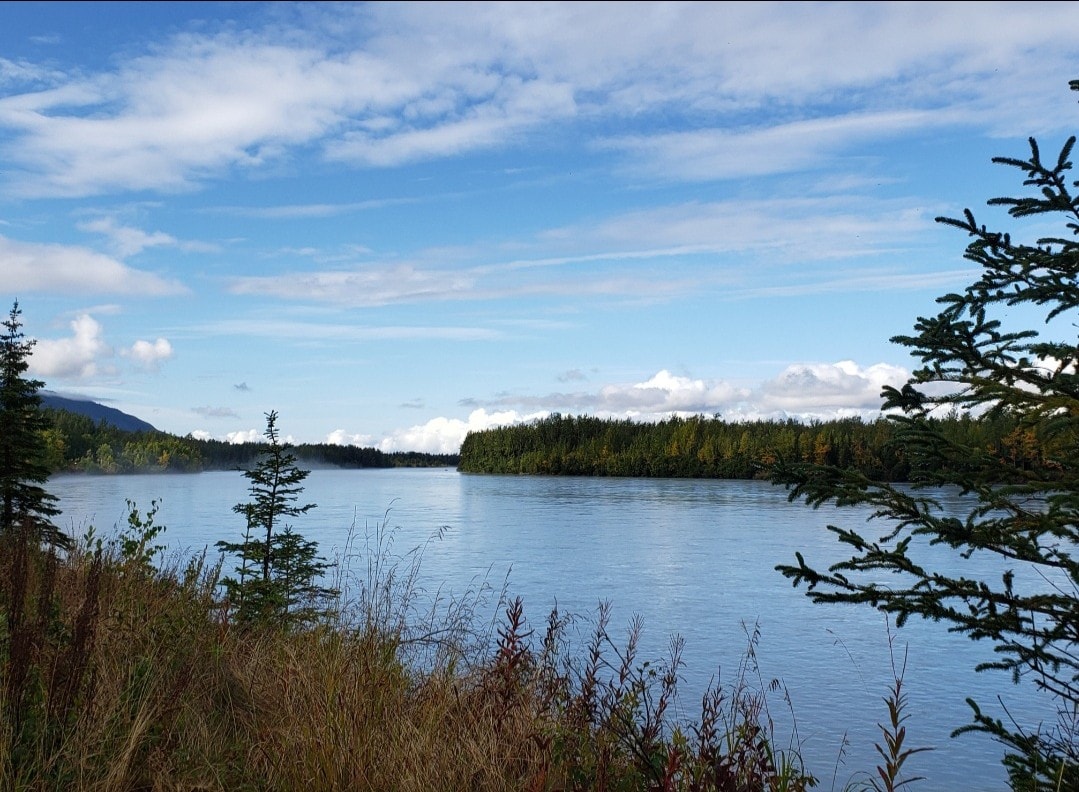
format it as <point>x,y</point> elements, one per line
<point>694,557</point>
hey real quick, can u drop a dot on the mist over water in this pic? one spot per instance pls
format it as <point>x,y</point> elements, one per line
<point>690,557</point>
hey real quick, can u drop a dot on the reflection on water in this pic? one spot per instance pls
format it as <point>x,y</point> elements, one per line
<point>691,557</point>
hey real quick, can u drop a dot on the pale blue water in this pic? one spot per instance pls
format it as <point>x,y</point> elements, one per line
<point>691,557</point>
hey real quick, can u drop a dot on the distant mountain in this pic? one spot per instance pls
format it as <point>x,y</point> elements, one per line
<point>96,412</point>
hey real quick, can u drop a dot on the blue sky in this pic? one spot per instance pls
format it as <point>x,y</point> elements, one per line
<point>394,223</point>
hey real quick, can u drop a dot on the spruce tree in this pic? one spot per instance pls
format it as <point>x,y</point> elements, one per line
<point>278,571</point>
<point>24,503</point>
<point>1024,504</point>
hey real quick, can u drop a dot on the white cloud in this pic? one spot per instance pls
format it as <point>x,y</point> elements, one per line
<point>341,437</point>
<point>148,354</point>
<point>516,106</point>
<point>242,436</point>
<point>665,394</point>
<point>840,226</point>
<point>32,267</point>
<point>358,287</point>
<point>304,211</point>
<point>437,436</point>
<point>312,331</point>
<point>709,154</point>
<point>164,120</point>
<point>802,391</point>
<point>78,357</point>
<point>828,390</point>
<point>621,255</point>
<point>24,72</point>
<point>202,434</point>
<point>126,240</point>
<point>86,354</point>
<point>349,82</point>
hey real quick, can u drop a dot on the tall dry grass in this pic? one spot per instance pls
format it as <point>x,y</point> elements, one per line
<point>122,675</point>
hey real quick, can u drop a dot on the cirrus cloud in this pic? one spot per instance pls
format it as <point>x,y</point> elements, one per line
<point>347,82</point>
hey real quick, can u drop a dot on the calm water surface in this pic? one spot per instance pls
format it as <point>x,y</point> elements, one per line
<point>691,557</point>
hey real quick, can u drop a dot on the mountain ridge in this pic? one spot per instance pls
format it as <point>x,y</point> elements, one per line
<point>95,411</point>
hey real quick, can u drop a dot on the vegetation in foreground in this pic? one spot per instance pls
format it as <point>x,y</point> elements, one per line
<point>116,675</point>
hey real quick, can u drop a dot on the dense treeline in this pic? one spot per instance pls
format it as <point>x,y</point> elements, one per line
<point>77,443</point>
<point>700,447</point>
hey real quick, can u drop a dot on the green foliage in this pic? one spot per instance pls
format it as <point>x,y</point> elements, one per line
<point>23,453</point>
<point>701,447</point>
<point>1025,505</point>
<point>77,443</point>
<point>278,572</point>
<point>135,542</point>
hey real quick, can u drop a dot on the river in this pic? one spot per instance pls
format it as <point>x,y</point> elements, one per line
<point>690,557</point>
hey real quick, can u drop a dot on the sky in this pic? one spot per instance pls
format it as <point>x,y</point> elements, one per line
<point>396,223</point>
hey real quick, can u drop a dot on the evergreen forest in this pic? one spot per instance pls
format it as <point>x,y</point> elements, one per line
<point>700,447</point>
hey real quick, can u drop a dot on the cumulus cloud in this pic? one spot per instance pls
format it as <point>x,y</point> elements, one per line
<point>665,393</point>
<point>802,391</point>
<point>33,267</point>
<point>437,436</point>
<point>828,390</point>
<point>149,355</point>
<point>202,434</point>
<point>341,437</point>
<point>86,353</point>
<point>244,436</point>
<point>79,357</point>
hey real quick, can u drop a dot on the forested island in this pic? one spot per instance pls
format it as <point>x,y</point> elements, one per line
<point>78,443</point>
<point>700,447</point>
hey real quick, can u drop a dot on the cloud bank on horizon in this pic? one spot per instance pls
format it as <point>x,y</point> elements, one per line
<point>395,223</point>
